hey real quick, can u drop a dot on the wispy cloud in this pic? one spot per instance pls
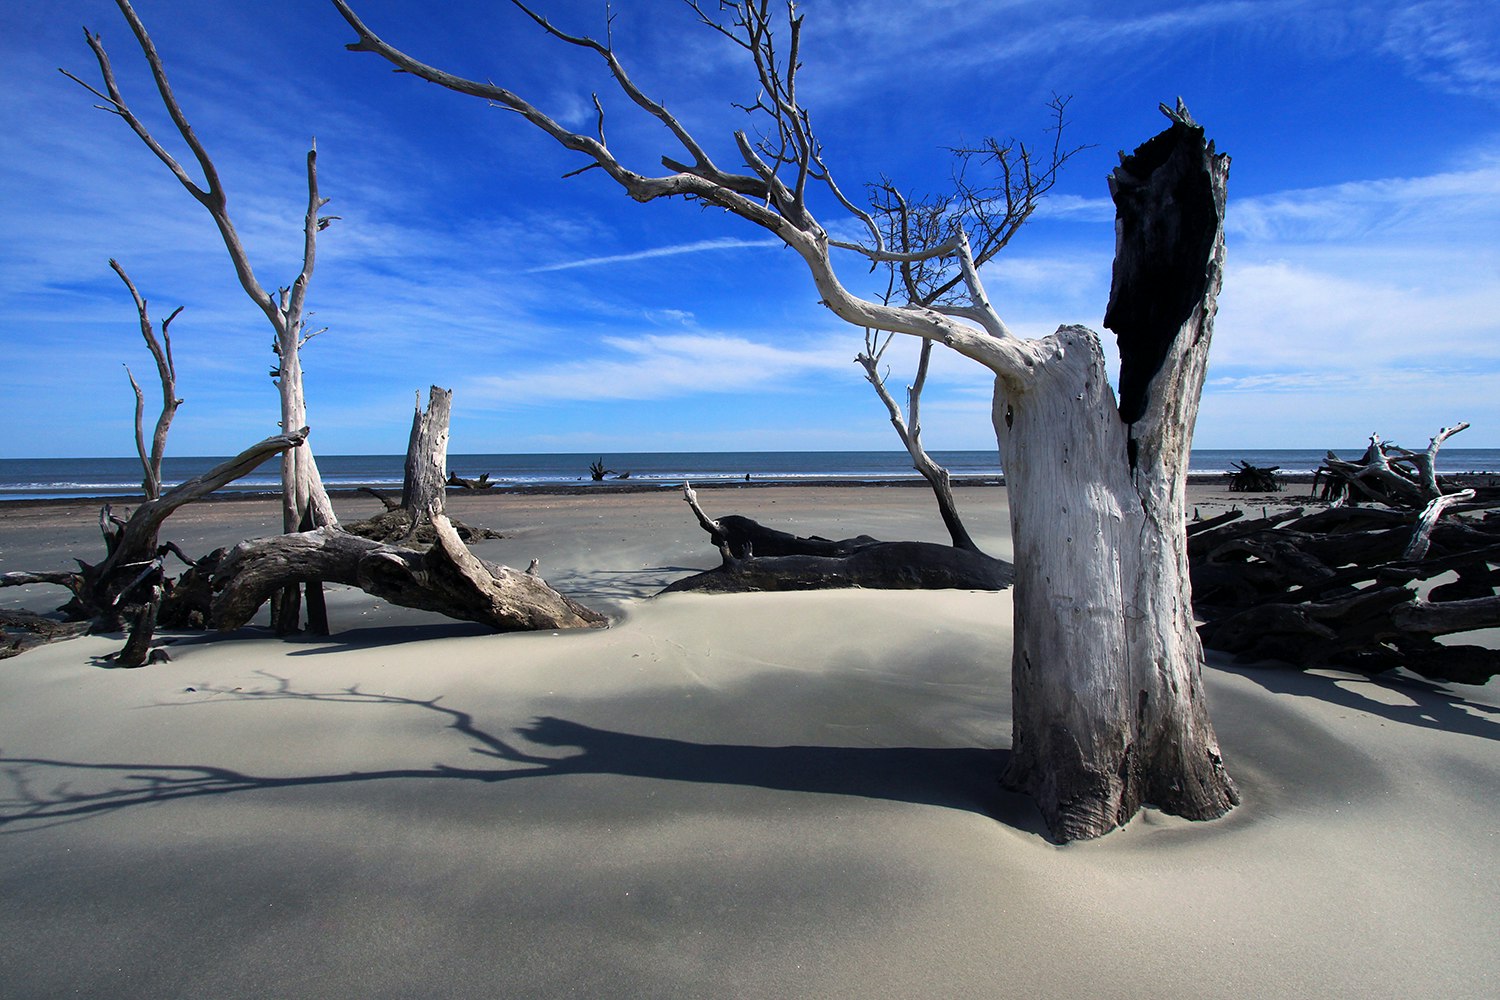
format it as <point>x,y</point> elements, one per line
<point>1434,205</point>
<point>1453,45</point>
<point>661,366</point>
<point>698,246</point>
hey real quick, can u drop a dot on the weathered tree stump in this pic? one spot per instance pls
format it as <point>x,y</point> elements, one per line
<point>422,488</point>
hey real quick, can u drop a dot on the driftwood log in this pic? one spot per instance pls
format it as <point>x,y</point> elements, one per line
<point>1247,478</point>
<point>482,483</point>
<point>758,558</point>
<point>447,578</point>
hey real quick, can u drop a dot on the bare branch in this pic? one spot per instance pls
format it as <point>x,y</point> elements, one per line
<point>212,196</point>
<point>161,352</point>
<point>770,204</point>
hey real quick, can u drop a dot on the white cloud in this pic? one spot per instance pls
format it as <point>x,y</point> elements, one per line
<point>697,246</point>
<point>661,366</point>
<point>1453,45</point>
<point>1438,205</point>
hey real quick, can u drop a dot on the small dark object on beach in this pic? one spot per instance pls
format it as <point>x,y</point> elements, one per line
<point>1247,478</point>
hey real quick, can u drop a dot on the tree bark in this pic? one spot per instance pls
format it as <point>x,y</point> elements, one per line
<point>1109,706</point>
<point>447,579</point>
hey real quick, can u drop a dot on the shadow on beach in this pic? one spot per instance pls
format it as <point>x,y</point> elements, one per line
<point>48,791</point>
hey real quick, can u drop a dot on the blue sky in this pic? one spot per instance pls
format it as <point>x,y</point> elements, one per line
<point>1362,291</point>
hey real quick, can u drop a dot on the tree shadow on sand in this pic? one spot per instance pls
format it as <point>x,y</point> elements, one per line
<point>47,791</point>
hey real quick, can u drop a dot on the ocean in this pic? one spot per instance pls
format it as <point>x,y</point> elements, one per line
<point>61,478</point>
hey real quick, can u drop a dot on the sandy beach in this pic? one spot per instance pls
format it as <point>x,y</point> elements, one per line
<point>757,796</point>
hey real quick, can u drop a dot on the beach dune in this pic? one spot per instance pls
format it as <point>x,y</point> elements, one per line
<point>759,795</point>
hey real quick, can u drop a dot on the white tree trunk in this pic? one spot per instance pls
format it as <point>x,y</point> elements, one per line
<point>1109,707</point>
<point>305,503</point>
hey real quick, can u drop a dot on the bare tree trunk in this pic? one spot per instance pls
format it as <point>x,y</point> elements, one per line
<point>424,486</point>
<point>1109,707</point>
<point>304,499</point>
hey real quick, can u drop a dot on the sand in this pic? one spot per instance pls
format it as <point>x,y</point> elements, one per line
<point>764,795</point>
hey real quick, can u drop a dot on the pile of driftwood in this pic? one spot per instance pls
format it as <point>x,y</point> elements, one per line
<point>1366,588</point>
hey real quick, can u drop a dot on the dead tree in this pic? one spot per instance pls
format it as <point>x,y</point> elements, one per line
<point>1389,474</point>
<point>447,579</point>
<point>1109,706</point>
<point>990,212</point>
<point>757,558</point>
<point>131,583</point>
<point>305,502</point>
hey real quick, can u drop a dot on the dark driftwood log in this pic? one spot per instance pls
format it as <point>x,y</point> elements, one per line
<point>23,630</point>
<point>482,483</point>
<point>760,558</point>
<point>1247,478</point>
<point>447,579</point>
<point>877,566</point>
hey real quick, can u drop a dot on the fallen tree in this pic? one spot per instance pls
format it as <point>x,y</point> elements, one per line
<point>446,578</point>
<point>130,582</point>
<point>759,558</point>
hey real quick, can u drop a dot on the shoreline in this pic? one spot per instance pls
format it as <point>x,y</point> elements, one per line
<point>1197,480</point>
